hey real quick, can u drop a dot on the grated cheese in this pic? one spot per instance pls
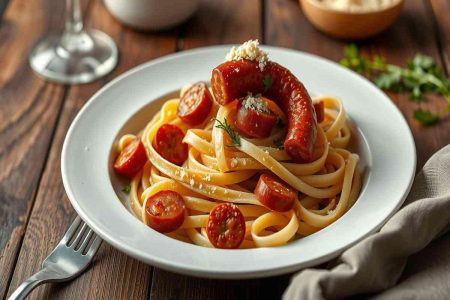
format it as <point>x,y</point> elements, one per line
<point>249,50</point>
<point>357,5</point>
<point>234,162</point>
<point>255,103</point>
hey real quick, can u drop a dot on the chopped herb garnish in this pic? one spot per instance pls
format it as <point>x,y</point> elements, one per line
<point>422,75</point>
<point>279,123</point>
<point>126,188</point>
<point>426,117</point>
<point>279,144</point>
<point>267,81</point>
<point>234,136</point>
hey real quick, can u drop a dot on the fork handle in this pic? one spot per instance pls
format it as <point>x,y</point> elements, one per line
<point>28,285</point>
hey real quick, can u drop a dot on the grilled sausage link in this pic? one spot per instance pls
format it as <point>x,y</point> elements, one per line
<point>235,79</point>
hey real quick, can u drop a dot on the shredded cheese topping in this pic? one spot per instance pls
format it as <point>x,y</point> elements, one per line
<point>255,103</point>
<point>249,50</point>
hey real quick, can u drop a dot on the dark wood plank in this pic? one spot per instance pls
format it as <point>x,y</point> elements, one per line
<point>441,10</point>
<point>29,108</point>
<point>114,275</point>
<point>167,285</point>
<point>413,32</point>
<point>217,22</point>
<point>222,22</point>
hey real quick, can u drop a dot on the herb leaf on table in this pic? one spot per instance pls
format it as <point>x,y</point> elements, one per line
<point>422,75</point>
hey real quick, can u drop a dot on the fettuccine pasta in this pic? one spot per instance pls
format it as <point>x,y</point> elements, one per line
<point>215,173</point>
<point>251,161</point>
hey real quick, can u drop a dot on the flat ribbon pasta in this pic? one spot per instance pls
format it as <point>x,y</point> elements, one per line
<point>215,173</point>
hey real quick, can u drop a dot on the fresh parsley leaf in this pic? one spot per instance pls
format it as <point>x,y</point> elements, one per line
<point>378,62</point>
<point>422,75</point>
<point>267,81</point>
<point>388,80</point>
<point>416,93</point>
<point>351,51</point>
<point>126,188</point>
<point>426,117</point>
<point>422,62</point>
<point>278,144</point>
<point>346,63</point>
<point>234,136</point>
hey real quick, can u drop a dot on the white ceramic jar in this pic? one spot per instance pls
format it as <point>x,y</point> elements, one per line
<point>152,14</point>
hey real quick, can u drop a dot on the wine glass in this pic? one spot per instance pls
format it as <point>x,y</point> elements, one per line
<point>77,55</point>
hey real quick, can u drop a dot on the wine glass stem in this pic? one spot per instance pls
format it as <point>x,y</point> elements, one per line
<point>74,18</point>
<point>74,38</point>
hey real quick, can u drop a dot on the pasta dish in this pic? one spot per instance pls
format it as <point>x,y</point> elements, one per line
<point>247,160</point>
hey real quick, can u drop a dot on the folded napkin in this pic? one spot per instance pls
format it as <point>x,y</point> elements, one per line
<point>409,258</point>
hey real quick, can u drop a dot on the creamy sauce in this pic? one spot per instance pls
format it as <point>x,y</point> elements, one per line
<point>357,5</point>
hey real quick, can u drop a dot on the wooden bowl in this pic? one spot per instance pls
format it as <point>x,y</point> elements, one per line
<point>350,25</point>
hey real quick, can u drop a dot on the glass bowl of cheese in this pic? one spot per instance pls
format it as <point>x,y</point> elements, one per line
<point>352,19</point>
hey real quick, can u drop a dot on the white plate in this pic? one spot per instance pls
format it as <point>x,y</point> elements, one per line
<point>384,142</point>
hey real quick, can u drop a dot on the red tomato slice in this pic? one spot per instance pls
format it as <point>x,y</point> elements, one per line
<point>131,159</point>
<point>195,104</point>
<point>168,143</point>
<point>165,211</point>
<point>319,108</point>
<point>226,226</point>
<point>275,195</point>
<point>253,122</point>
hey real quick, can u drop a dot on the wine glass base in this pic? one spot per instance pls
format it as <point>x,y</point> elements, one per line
<point>73,65</point>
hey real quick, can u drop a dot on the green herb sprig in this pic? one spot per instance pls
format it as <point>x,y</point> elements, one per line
<point>422,75</point>
<point>126,188</point>
<point>234,136</point>
<point>267,81</point>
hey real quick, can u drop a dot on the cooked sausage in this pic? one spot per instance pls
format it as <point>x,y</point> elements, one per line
<point>235,79</point>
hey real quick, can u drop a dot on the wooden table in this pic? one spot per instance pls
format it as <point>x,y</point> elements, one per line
<point>35,115</point>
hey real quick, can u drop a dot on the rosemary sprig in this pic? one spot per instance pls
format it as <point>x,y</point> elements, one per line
<point>422,75</point>
<point>234,136</point>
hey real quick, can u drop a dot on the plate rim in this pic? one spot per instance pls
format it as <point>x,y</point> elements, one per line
<point>199,272</point>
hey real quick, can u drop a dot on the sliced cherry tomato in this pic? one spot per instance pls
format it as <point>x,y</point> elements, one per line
<point>319,107</point>
<point>131,159</point>
<point>254,122</point>
<point>165,211</point>
<point>226,226</point>
<point>275,195</point>
<point>195,104</point>
<point>168,143</point>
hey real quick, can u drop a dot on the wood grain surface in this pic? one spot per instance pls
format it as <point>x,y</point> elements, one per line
<point>52,212</point>
<point>440,12</point>
<point>35,116</point>
<point>29,109</point>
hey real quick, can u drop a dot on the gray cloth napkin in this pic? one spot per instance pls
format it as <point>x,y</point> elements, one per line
<point>409,258</point>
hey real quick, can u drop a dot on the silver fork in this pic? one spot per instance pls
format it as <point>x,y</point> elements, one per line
<point>68,260</point>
